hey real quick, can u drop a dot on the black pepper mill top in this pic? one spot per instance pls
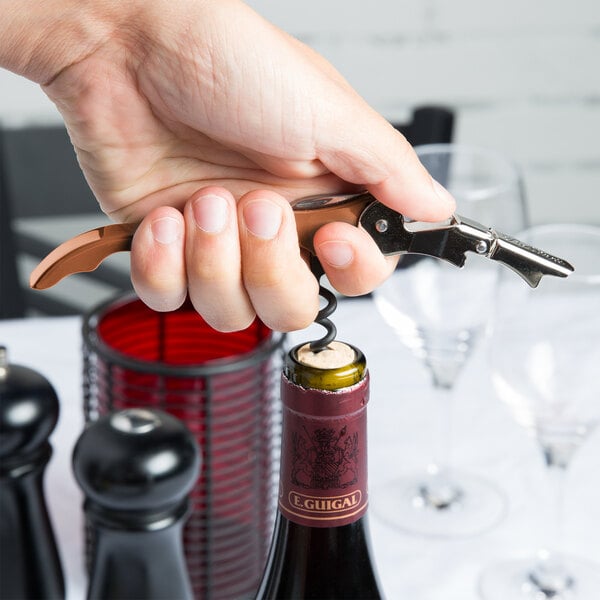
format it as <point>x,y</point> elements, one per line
<point>136,460</point>
<point>28,414</point>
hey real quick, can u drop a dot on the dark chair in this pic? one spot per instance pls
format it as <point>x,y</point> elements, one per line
<point>429,125</point>
<point>11,294</point>
<point>42,189</point>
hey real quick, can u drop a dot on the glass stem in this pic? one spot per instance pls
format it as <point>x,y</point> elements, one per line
<point>444,371</point>
<point>550,574</point>
<point>441,459</point>
<point>558,450</point>
<point>554,543</point>
<point>440,491</point>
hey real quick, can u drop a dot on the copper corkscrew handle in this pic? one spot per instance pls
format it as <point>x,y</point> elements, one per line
<point>82,253</point>
<point>87,250</point>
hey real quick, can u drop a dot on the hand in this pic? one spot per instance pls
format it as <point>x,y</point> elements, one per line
<point>201,120</point>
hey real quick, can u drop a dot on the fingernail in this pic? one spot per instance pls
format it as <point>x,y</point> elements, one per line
<point>166,230</point>
<point>337,254</point>
<point>443,194</point>
<point>263,218</point>
<point>210,213</point>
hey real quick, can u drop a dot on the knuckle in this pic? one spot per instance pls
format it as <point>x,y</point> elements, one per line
<point>259,276</point>
<point>209,271</point>
<point>163,282</point>
<point>290,316</point>
<point>228,323</point>
<point>224,309</point>
<point>161,302</point>
<point>285,323</point>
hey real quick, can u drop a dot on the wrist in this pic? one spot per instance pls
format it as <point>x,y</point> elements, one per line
<point>40,38</point>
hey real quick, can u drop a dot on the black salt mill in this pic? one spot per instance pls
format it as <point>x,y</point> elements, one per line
<point>136,468</point>
<point>30,566</point>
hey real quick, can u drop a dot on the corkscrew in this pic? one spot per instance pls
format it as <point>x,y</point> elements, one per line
<point>393,234</point>
<point>324,313</point>
<point>449,240</point>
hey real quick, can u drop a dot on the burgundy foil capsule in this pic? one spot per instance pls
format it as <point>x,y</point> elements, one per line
<point>323,480</point>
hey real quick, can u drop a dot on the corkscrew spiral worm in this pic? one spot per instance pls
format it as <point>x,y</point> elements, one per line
<point>323,315</point>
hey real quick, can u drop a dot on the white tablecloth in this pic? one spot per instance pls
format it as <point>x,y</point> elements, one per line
<point>486,443</point>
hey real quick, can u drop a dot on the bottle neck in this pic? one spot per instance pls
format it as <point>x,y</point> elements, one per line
<point>323,476</point>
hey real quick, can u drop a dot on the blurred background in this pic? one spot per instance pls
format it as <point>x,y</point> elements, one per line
<point>521,78</point>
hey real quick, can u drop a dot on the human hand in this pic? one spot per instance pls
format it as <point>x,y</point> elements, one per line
<point>202,120</point>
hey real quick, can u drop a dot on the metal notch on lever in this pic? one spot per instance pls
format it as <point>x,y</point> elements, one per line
<point>452,239</point>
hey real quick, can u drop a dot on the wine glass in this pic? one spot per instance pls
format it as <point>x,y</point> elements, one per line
<point>440,313</point>
<point>545,355</point>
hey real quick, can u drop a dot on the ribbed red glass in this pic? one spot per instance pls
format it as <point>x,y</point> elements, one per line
<point>224,386</point>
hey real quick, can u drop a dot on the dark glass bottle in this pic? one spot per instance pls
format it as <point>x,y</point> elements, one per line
<point>320,547</point>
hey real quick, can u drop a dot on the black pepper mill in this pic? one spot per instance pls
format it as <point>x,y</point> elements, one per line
<point>30,566</point>
<point>136,468</point>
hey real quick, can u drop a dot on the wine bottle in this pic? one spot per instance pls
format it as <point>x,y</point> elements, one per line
<point>320,546</point>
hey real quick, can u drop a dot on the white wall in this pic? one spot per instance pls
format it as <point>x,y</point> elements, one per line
<point>22,101</point>
<point>523,76</point>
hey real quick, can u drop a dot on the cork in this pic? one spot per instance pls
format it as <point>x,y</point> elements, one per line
<point>335,356</point>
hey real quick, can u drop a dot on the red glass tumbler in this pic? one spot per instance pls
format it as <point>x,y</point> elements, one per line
<point>224,387</point>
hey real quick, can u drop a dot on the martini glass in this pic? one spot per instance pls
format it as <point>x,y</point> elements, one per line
<point>441,313</point>
<point>545,356</point>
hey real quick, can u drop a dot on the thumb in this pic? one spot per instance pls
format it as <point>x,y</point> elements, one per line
<point>360,146</point>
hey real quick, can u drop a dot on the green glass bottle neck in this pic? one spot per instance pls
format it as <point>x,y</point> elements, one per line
<point>319,374</point>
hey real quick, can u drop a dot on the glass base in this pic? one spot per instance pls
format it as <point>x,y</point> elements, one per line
<point>559,578</point>
<point>447,504</point>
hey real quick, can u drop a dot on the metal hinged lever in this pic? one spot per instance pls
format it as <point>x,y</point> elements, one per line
<point>452,239</point>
